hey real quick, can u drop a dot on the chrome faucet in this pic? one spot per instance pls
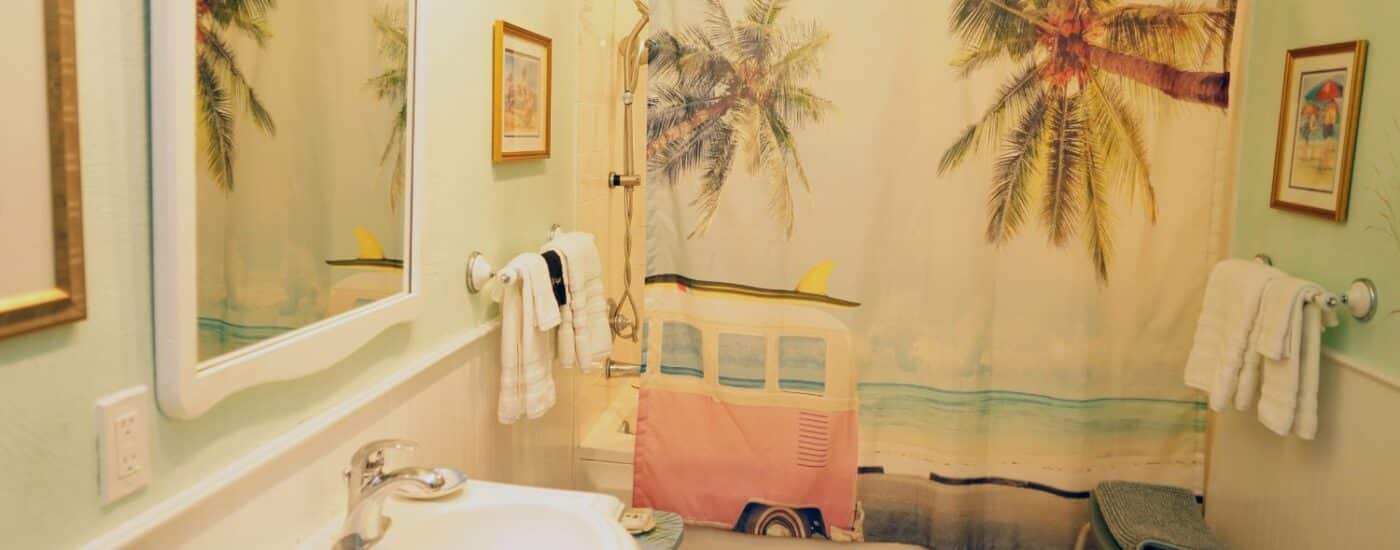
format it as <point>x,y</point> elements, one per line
<point>368,485</point>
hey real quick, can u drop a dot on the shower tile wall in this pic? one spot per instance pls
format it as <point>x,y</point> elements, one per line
<point>599,148</point>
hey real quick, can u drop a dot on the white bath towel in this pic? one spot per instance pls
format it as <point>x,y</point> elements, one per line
<point>1226,323</point>
<point>1289,343</point>
<point>588,306</point>
<point>528,313</point>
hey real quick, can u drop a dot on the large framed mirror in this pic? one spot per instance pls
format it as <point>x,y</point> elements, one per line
<point>284,197</point>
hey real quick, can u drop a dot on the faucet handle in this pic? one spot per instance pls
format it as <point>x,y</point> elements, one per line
<point>372,453</point>
<point>368,461</point>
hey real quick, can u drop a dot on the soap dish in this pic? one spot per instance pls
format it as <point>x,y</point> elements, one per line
<point>452,481</point>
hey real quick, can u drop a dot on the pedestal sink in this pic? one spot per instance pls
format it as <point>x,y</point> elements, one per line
<point>491,516</point>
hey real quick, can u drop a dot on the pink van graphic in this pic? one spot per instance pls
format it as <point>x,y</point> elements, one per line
<point>747,414</point>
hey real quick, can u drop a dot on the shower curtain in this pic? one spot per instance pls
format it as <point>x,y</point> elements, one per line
<point>927,270</point>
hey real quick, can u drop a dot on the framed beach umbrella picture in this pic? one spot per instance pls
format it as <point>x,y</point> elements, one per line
<point>1317,129</point>
<point>520,121</point>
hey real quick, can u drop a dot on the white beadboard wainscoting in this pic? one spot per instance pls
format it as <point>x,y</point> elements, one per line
<point>1340,490</point>
<point>292,486</point>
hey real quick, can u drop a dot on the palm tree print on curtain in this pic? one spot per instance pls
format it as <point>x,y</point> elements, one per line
<point>1067,116</point>
<point>219,82</point>
<point>732,90</point>
<point>392,86</point>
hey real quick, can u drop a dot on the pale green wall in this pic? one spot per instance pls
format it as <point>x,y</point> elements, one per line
<point>1332,254</point>
<point>49,380</point>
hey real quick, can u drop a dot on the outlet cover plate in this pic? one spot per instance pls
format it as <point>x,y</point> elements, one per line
<point>124,443</point>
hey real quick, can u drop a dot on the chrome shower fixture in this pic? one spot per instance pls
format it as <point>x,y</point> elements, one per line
<point>623,313</point>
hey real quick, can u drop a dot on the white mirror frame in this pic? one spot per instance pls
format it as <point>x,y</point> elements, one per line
<point>185,387</point>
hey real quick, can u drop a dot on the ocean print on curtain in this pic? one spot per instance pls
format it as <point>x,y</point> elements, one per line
<point>938,258</point>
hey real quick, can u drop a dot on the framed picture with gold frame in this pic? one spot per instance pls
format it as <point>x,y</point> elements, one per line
<point>520,94</point>
<point>41,213</point>
<point>1317,129</point>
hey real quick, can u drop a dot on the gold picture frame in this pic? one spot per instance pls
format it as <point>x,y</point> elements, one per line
<point>521,94</point>
<point>66,300</point>
<point>1318,115</point>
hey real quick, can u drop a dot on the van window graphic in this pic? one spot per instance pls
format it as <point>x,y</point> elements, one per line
<point>802,364</point>
<point>680,350</point>
<point>741,360</point>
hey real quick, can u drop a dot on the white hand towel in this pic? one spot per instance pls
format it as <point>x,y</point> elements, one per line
<point>587,300</point>
<point>1283,301</point>
<point>1278,393</point>
<point>528,312</point>
<point>565,341</point>
<point>1289,376</point>
<point>1273,329</point>
<point>1305,421</point>
<point>1222,333</point>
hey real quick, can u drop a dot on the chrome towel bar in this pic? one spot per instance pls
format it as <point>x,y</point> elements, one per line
<point>1361,298</point>
<point>480,271</point>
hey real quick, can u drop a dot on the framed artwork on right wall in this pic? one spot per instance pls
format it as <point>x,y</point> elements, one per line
<point>1317,129</point>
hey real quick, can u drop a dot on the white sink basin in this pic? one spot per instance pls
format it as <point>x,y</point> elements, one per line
<point>490,516</point>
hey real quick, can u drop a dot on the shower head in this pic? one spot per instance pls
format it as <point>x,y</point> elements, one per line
<point>633,48</point>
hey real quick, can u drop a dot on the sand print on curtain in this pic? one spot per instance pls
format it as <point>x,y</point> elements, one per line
<point>938,258</point>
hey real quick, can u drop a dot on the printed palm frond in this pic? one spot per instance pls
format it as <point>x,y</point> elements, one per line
<point>1098,217</point>
<point>1007,26</point>
<point>218,55</point>
<point>1013,96</point>
<point>216,119</point>
<point>392,86</point>
<point>219,80</point>
<point>1011,181</point>
<point>731,89</point>
<point>719,159</point>
<point>1077,132</point>
<point>1065,159</point>
<point>1121,143</point>
<point>1181,33</point>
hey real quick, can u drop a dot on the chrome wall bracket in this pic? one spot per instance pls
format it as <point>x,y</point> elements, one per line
<point>1361,298</point>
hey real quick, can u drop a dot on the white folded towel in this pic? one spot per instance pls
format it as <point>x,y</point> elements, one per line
<point>1289,343</point>
<point>1279,309</point>
<point>565,340</point>
<point>1305,423</point>
<point>528,312</point>
<point>1226,323</point>
<point>588,306</point>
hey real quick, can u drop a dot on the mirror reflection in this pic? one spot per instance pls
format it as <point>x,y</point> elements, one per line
<point>302,115</point>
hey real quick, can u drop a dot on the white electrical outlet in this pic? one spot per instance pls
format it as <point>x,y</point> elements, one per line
<point>124,439</point>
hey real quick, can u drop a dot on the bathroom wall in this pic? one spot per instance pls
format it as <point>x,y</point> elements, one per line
<point>1337,491</point>
<point>1330,253</point>
<point>49,380</point>
<point>1267,491</point>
